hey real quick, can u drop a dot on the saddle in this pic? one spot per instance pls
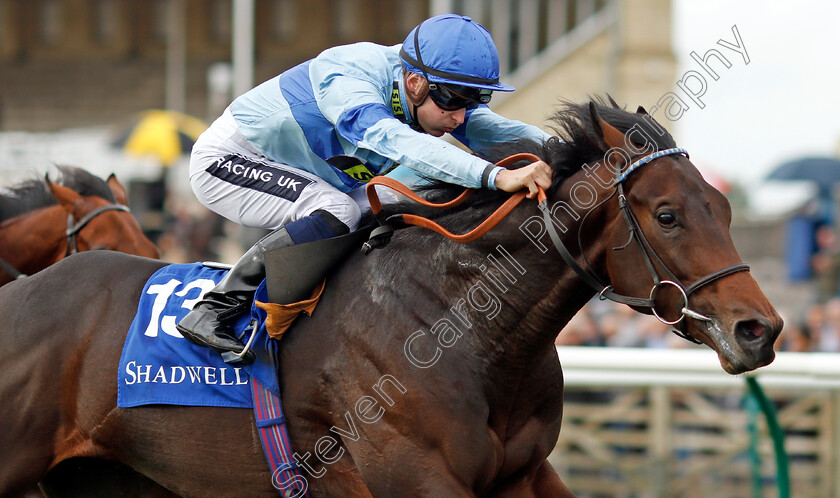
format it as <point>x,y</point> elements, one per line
<point>297,275</point>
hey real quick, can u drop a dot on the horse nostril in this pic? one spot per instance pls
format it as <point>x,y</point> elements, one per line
<point>751,330</point>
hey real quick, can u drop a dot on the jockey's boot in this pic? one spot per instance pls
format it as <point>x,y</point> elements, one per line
<point>208,324</point>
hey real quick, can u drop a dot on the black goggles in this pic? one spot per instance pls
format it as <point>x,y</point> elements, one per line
<point>454,97</point>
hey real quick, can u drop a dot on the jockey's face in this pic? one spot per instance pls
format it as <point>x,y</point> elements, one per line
<point>437,121</point>
<point>434,120</point>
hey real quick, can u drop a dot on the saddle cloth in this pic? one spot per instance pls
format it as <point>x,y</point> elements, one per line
<point>159,366</point>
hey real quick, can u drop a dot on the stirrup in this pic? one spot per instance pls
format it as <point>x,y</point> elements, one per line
<point>235,358</point>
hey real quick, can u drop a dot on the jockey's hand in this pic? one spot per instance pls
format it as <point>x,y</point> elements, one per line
<point>535,174</point>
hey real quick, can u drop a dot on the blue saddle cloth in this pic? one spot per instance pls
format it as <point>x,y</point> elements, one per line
<point>159,366</point>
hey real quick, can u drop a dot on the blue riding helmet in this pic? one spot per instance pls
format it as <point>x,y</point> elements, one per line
<point>453,49</point>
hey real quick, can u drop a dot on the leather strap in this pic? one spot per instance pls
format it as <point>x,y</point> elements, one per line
<point>711,277</point>
<point>485,226</point>
<point>411,219</point>
<point>73,230</point>
<point>605,290</point>
<point>11,270</point>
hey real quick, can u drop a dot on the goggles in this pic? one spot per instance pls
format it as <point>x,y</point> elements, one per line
<point>454,97</point>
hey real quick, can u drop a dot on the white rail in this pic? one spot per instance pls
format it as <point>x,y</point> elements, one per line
<point>617,367</point>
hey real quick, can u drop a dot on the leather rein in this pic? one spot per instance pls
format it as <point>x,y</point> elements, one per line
<point>387,225</point>
<point>382,234</point>
<point>71,235</point>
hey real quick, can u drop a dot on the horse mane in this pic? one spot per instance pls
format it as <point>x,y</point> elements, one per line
<point>574,145</point>
<point>33,194</point>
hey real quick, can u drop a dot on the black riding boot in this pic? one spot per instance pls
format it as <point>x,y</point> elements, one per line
<point>208,324</point>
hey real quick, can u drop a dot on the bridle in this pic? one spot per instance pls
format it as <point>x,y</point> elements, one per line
<point>651,259</point>
<point>71,234</point>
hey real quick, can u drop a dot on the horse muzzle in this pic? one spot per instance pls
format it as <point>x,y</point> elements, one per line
<point>747,344</point>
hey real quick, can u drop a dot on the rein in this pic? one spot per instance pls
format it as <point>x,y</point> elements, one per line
<point>71,235</point>
<point>381,235</point>
<point>11,270</point>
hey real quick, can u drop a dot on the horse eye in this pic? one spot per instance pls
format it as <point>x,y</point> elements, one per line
<point>666,219</point>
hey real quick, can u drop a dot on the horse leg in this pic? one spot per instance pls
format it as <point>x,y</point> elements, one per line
<point>548,483</point>
<point>58,362</point>
<point>20,480</point>
<point>94,477</point>
<point>545,482</point>
<point>29,416</point>
<point>192,451</point>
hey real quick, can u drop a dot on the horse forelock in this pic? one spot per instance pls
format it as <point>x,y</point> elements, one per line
<point>33,194</point>
<point>24,197</point>
<point>85,183</point>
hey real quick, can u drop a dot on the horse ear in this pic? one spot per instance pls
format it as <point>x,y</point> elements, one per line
<point>120,195</point>
<point>608,136</point>
<point>657,126</point>
<point>66,197</point>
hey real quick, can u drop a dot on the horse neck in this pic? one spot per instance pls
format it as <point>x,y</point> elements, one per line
<point>32,241</point>
<point>513,292</point>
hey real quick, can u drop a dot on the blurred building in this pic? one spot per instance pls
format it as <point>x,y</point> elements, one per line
<point>70,63</point>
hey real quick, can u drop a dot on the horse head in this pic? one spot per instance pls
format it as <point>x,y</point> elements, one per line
<point>667,242</point>
<point>95,223</point>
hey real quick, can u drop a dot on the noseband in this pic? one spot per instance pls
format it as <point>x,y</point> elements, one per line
<point>605,291</point>
<point>71,234</point>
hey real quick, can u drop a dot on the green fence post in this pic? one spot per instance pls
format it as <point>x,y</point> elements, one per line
<point>753,412</point>
<point>782,476</point>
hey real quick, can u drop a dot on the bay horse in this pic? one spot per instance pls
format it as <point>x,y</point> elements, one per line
<point>42,222</point>
<point>428,368</point>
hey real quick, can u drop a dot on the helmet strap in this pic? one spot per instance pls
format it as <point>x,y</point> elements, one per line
<point>422,92</point>
<point>415,125</point>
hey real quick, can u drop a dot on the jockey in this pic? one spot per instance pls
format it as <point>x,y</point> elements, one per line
<point>294,153</point>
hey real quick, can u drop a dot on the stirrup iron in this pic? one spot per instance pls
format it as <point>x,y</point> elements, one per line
<point>234,358</point>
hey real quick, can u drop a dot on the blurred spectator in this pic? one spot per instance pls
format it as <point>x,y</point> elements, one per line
<point>628,332</point>
<point>569,336</point>
<point>192,235</point>
<point>829,336</point>
<point>795,338</point>
<point>658,335</point>
<point>826,263</point>
<point>813,321</point>
<point>582,330</point>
